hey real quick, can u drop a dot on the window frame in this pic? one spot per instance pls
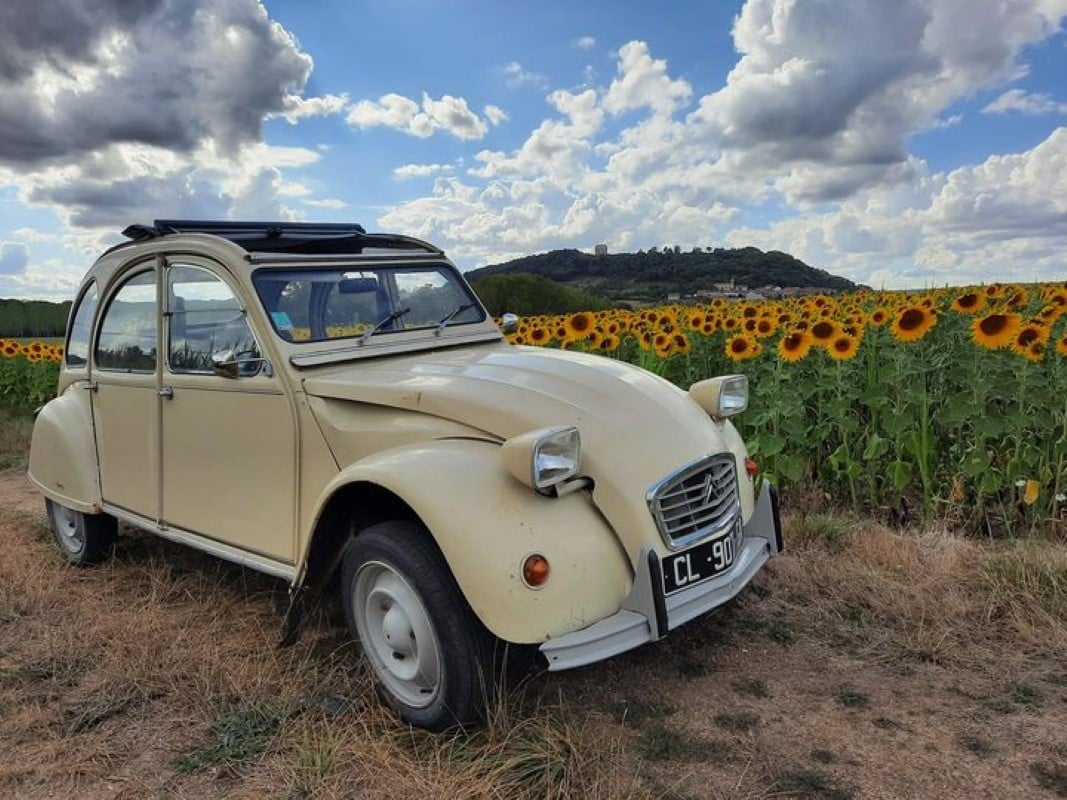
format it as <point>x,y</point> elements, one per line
<point>79,303</point>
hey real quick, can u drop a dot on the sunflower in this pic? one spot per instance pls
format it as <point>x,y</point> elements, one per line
<point>695,321</point>
<point>969,303</point>
<point>996,330</point>
<point>609,344</point>
<point>730,324</point>
<point>578,326</point>
<point>765,328</point>
<point>823,331</point>
<point>538,335</point>
<point>1061,345</point>
<point>661,343</point>
<point>843,347</point>
<point>794,345</point>
<point>913,323</point>
<point>10,349</point>
<point>740,347</point>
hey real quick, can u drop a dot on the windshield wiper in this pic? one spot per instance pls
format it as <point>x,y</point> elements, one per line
<point>386,320</point>
<point>447,318</point>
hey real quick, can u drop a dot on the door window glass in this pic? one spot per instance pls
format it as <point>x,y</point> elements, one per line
<point>77,349</point>
<point>205,318</point>
<point>127,339</point>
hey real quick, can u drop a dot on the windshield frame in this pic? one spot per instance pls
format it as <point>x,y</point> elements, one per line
<point>380,274</point>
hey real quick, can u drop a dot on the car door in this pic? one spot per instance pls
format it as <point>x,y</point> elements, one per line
<point>228,444</point>
<point>125,401</point>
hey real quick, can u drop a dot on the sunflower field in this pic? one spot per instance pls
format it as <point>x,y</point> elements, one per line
<point>948,403</point>
<point>28,372</point>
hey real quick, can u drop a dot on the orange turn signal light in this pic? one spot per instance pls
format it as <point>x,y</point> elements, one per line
<point>535,570</point>
<point>751,467</point>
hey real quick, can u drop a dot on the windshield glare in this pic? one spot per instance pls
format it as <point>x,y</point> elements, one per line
<point>316,304</point>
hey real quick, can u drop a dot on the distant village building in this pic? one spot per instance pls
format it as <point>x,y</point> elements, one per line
<point>600,250</point>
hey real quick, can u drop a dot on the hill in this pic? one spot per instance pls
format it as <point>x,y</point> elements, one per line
<point>654,274</point>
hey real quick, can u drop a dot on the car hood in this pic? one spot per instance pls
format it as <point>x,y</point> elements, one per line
<point>636,428</point>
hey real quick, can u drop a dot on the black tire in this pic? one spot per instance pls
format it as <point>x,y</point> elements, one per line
<point>83,538</point>
<point>393,572</point>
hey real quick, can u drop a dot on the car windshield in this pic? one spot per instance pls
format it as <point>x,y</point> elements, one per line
<point>315,304</point>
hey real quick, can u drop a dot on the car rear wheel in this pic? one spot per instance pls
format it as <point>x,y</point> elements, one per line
<point>83,538</point>
<point>431,656</point>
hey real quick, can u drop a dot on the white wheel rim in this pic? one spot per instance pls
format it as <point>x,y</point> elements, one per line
<point>66,521</point>
<point>397,634</point>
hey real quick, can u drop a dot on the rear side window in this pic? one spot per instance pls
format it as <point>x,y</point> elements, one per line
<point>77,350</point>
<point>127,339</point>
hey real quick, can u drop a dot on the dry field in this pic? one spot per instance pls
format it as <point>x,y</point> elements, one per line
<point>865,663</point>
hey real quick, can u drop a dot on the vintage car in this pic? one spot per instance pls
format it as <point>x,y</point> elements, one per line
<point>337,409</point>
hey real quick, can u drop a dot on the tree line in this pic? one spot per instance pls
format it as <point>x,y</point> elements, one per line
<point>33,318</point>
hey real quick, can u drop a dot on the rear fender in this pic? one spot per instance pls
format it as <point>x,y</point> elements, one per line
<point>486,523</point>
<point>63,451</point>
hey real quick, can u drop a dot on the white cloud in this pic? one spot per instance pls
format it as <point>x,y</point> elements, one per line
<point>515,75</point>
<point>296,108</point>
<point>1023,102</point>
<point>585,43</point>
<point>449,114</point>
<point>331,203</point>
<point>420,170</point>
<point>643,82</point>
<point>495,115</point>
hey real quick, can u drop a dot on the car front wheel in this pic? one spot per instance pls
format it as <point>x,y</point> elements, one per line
<point>431,656</point>
<point>83,538</point>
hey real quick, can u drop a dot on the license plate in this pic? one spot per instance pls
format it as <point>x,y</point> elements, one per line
<point>700,563</point>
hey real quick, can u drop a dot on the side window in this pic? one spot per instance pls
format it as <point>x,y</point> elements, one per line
<point>205,318</point>
<point>77,350</point>
<point>127,339</point>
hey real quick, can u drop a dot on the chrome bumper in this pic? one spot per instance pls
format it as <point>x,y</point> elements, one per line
<point>647,614</point>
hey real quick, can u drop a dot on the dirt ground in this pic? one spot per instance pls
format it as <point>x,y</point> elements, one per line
<point>849,670</point>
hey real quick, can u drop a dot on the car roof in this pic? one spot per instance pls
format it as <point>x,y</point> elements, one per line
<point>297,238</point>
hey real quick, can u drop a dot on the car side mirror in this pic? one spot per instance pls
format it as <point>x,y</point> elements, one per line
<point>228,364</point>
<point>509,323</point>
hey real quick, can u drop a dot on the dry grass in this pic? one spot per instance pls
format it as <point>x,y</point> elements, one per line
<point>866,662</point>
<point>15,431</point>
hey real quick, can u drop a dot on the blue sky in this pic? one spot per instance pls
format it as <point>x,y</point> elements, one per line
<point>906,144</point>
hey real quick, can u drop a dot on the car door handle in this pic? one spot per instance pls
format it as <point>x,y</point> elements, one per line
<point>167,392</point>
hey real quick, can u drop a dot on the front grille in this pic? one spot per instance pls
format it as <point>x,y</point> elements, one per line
<point>696,502</point>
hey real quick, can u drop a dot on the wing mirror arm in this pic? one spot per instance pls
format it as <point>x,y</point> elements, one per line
<point>227,364</point>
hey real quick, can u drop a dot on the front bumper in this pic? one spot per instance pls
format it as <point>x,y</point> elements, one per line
<point>647,614</point>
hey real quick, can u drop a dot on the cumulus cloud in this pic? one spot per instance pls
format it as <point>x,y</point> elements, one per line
<point>585,43</point>
<point>79,75</point>
<point>831,91</point>
<point>13,258</point>
<point>448,114</point>
<point>643,82</point>
<point>1023,102</point>
<point>296,108</point>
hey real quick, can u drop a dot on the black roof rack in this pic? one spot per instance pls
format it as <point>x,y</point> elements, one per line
<point>310,238</point>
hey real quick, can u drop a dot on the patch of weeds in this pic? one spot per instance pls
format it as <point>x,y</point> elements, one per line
<point>1025,695</point>
<point>1050,776</point>
<point>850,698</point>
<point>829,529</point>
<point>661,742</point>
<point>98,709</point>
<point>811,783</point>
<point>779,631</point>
<point>740,722</point>
<point>691,667</point>
<point>982,748</point>
<point>235,737</point>
<point>888,724</point>
<point>761,591</point>
<point>753,687</point>
<point>636,713</point>
<point>822,756</point>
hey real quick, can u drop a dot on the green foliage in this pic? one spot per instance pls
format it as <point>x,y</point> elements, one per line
<point>651,275</point>
<point>26,384</point>
<point>526,294</point>
<point>33,318</point>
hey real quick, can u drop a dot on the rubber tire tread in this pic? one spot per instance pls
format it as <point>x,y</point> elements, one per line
<point>469,681</point>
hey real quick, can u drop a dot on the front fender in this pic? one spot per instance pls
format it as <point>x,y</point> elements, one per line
<point>63,452</point>
<point>486,523</point>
